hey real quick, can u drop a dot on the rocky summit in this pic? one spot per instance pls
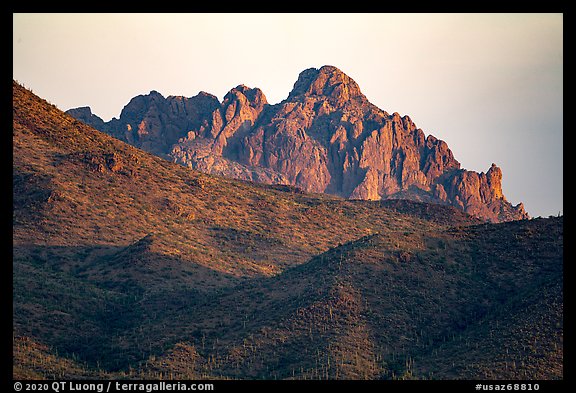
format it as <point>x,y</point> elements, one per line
<point>325,137</point>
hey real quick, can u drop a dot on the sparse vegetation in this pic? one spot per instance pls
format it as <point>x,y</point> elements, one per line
<point>129,266</point>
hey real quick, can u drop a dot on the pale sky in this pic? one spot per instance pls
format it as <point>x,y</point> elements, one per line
<point>490,85</point>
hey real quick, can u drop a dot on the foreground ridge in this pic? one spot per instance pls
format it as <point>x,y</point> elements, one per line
<point>128,266</point>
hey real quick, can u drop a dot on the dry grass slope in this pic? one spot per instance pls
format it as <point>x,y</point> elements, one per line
<point>129,266</point>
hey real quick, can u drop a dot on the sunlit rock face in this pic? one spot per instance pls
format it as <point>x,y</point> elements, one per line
<point>324,137</point>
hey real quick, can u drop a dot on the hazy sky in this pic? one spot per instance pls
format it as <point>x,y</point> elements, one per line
<point>490,85</point>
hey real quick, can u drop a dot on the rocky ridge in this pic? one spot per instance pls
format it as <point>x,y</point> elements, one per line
<point>325,137</point>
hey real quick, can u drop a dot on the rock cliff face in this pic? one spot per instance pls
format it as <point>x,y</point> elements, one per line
<point>154,123</point>
<point>85,115</point>
<point>325,137</point>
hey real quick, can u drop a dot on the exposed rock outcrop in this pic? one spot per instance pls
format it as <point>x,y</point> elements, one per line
<point>85,115</point>
<point>324,137</point>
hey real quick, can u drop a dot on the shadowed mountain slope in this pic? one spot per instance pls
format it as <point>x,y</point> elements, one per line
<point>129,266</point>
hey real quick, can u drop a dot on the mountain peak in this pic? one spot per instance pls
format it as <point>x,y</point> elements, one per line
<point>329,69</point>
<point>327,81</point>
<point>253,95</point>
<point>85,115</point>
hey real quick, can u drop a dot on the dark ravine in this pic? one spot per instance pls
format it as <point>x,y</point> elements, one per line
<point>326,137</point>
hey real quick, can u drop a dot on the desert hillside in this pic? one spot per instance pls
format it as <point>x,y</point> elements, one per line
<point>127,265</point>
